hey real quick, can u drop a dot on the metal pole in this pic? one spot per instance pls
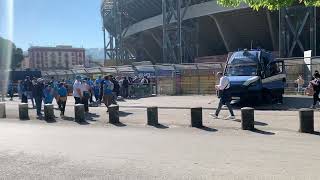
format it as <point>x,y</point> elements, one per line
<point>179,21</point>
<point>164,34</point>
<point>104,45</point>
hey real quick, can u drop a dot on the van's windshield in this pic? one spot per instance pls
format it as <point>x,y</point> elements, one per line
<point>241,70</point>
<point>242,64</point>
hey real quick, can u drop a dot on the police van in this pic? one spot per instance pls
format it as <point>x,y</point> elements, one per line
<point>255,77</point>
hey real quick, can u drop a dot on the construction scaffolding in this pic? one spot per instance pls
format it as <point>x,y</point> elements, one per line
<point>179,37</point>
<point>113,45</point>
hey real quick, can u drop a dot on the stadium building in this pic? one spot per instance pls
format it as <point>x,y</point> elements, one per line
<point>182,31</point>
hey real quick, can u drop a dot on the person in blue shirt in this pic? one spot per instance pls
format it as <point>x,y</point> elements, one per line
<point>10,90</point>
<point>62,97</point>
<point>107,91</point>
<point>48,94</point>
<point>96,91</point>
<point>91,85</point>
<point>98,82</point>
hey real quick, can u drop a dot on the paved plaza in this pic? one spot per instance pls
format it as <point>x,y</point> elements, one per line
<point>36,149</point>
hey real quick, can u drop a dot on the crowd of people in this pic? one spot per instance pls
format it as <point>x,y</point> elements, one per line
<point>84,90</point>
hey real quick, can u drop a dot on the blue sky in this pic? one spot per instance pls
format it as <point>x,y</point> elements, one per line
<point>54,22</point>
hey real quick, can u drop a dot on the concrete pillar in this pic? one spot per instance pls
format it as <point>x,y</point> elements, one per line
<point>114,114</point>
<point>79,115</point>
<point>306,117</point>
<point>152,114</point>
<point>48,112</point>
<point>23,111</point>
<point>3,110</point>
<point>247,118</point>
<point>196,117</point>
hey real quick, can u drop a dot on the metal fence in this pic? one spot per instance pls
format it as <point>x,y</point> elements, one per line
<point>300,66</point>
<point>179,79</point>
<point>165,79</point>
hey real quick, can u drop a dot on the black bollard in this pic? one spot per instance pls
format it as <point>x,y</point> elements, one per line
<point>23,111</point>
<point>48,112</point>
<point>152,114</point>
<point>114,114</point>
<point>3,110</point>
<point>306,117</point>
<point>196,117</point>
<point>247,118</point>
<point>79,115</point>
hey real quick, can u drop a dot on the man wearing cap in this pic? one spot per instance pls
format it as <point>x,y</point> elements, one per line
<point>38,94</point>
<point>77,90</point>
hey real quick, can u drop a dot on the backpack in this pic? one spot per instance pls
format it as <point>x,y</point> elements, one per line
<point>309,90</point>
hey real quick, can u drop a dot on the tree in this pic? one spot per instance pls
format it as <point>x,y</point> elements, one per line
<point>9,54</point>
<point>269,4</point>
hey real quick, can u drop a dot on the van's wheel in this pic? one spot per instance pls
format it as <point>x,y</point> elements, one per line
<point>280,99</point>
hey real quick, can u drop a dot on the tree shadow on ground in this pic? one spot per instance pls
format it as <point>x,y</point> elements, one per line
<point>262,132</point>
<point>257,123</point>
<point>209,129</point>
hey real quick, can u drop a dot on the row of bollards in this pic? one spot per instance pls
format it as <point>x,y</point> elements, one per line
<point>306,116</point>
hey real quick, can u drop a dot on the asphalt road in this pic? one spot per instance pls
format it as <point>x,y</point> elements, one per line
<point>37,150</point>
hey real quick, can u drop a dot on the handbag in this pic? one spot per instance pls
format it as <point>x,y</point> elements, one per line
<point>309,90</point>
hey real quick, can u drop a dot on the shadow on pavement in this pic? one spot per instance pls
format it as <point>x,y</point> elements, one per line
<point>120,124</point>
<point>209,129</point>
<point>290,103</point>
<point>316,133</point>
<point>257,123</point>
<point>92,116</point>
<point>124,114</point>
<point>83,123</point>
<point>51,121</point>
<point>66,118</point>
<point>262,132</point>
<point>160,126</point>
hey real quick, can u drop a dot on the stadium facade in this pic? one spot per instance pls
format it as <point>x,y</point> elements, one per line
<point>179,31</point>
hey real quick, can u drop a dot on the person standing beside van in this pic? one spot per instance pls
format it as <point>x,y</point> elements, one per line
<point>300,83</point>
<point>316,87</point>
<point>224,95</point>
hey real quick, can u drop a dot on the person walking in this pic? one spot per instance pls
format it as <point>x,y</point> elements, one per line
<point>38,95</point>
<point>116,89</point>
<point>85,91</point>
<point>316,87</point>
<point>29,89</point>
<point>91,87</point>
<point>96,91</point>
<point>77,90</point>
<point>224,95</point>
<point>125,87</point>
<point>107,91</point>
<point>48,94</point>
<point>10,90</point>
<point>24,97</point>
<point>62,98</point>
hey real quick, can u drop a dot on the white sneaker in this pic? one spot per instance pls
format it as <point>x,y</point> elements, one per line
<point>230,117</point>
<point>214,115</point>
